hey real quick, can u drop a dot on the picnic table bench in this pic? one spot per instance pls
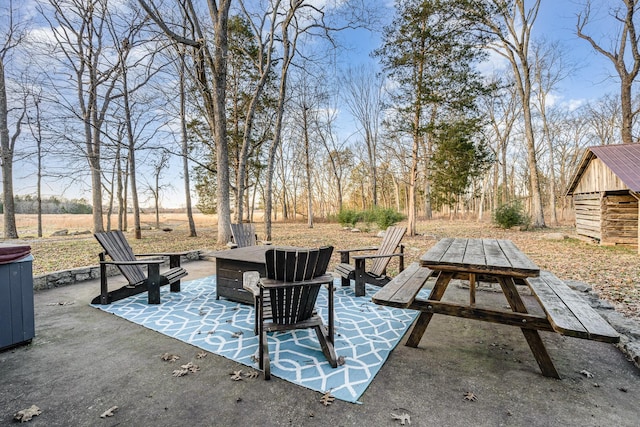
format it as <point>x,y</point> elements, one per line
<point>402,290</point>
<point>568,313</point>
<point>565,312</point>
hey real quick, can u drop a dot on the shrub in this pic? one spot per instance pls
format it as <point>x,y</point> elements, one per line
<point>383,218</point>
<point>387,217</point>
<point>348,217</point>
<point>510,215</point>
<point>369,217</point>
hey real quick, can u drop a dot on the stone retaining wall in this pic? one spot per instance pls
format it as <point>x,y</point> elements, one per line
<point>69,277</point>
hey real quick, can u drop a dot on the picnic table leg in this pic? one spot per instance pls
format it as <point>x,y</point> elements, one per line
<point>472,289</point>
<point>425,317</point>
<point>531,335</point>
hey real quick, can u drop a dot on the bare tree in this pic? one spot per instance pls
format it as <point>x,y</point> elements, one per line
<point>502,111</point>
<point>211,74</point>
<point>80,34</point>
<point>627,44</point>
<point>159,164</point>
<point>510,22</point>
<point>549,69</point>
<point>338,157</point>
<point>12,35</point>
<point>603,120</point>
<point>184,139</point>
<point>288,47</point>
<point>263,25</point>
<point>363,97</point>
<point>35,125</point>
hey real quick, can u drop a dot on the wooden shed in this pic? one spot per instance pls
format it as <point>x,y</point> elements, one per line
<point>606,190</point>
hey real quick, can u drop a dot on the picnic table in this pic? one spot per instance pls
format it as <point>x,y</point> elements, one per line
<point>498,261</point>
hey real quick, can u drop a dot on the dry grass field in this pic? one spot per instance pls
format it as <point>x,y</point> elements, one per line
<point>613,271</point>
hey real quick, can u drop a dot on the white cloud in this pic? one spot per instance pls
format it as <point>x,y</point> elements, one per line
<point>494,64</point>
<point>573,104</point>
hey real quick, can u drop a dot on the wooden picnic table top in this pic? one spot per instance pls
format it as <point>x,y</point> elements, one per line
<point>479,256</point>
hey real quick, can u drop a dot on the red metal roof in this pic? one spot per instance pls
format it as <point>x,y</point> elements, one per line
<point>622,159</point>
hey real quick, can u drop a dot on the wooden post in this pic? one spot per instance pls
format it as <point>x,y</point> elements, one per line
<point>153,283</point>
<point>637,197</point>
<point>472,289</point>
<point>174,261</point>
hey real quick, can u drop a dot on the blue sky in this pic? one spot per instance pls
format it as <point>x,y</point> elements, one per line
<point>556,21</point>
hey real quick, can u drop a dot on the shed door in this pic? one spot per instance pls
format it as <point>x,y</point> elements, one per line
<point>588,214</point>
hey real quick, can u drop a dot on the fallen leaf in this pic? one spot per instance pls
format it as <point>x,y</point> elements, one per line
<point>236,375</point>
<point>167,357</point>
<point>190,367</point>
<point>470,396</point>
<point>252,374</point>
<point>341,360</point>
<point>586,373</point>
<point>327,399</point>
<point>201,355</point>
<point>236,334</point>
<point>109,412</point>
<point>404,418</point>
<point>26,414</point>
<point>180,372</point>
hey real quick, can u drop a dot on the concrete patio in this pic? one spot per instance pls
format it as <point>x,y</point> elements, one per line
<point>84,361</point>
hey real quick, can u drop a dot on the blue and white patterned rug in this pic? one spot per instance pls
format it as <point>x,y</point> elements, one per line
<point>365,334</point>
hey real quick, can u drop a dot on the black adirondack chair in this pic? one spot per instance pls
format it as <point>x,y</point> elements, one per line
<point>376,273</point>
<point>244,234</point>
<point>285,299</point>
<point>115,245</point>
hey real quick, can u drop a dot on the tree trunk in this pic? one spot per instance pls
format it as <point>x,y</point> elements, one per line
<point>626,131</point>
<point>305,124</point>
<point>417,134</point>
<point>215,64</point>
<point>132,149</point>
<point>185,148</point>
<point>220,21</point>
<point>6,149</point>
<point>277,133</point>
<point>122,212</point>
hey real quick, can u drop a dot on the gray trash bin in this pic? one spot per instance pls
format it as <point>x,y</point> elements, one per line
<point>17,323</point>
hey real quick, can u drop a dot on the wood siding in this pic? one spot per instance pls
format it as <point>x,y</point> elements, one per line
<point>588,215</point>
<point>597,177</point>
<point>619,220</point>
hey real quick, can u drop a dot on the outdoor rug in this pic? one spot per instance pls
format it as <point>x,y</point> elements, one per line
<point>365,334</point>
